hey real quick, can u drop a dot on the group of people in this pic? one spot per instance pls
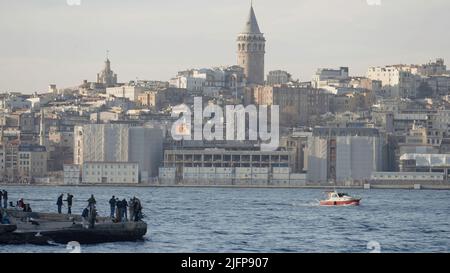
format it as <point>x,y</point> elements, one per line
<point>60,202</point>
<point>4,198</point>
<point>119,209</point>
<point>20,204</point>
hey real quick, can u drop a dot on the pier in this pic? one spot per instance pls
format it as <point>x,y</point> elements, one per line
<point>47,228</point>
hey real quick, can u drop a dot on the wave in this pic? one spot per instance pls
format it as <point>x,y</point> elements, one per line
<point>307,204</point>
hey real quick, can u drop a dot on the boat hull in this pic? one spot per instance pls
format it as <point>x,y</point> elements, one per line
<point>353,202</point>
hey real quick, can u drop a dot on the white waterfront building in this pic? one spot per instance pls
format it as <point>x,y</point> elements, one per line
<point>110,173</point>
<point>72,174</point>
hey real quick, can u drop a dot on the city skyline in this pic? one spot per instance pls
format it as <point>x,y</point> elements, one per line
<point>224,126</point>
<point>145,42</point>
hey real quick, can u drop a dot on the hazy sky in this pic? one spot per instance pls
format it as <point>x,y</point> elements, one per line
<point>49,41</point>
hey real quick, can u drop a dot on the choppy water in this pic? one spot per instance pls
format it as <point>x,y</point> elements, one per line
<point>263,220</point>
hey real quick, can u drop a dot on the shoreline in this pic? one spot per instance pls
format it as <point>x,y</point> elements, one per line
<point>372,186</point>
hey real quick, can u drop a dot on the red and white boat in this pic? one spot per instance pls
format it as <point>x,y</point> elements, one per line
<point>339,199</point>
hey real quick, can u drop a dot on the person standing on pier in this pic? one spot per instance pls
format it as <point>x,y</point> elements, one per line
<point>69,203</point>
<point>124,210</point>
<point>85,216</point>
<point>131,208</point>
<point>92,211</point>
<point>59,203</point>
<point>112,204</point>
<point>91,201</point>
<point>5,199</point>
<point>119,210</point>
<point>137,210</point>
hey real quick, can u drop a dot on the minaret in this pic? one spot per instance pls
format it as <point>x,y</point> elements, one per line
<point>1,136</point>
<point>42,129</point>
<point>251,50</point>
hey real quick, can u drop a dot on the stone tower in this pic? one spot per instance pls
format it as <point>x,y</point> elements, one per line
<point>251,50</point>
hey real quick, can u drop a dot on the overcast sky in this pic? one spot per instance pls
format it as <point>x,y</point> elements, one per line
<point>49,41</point>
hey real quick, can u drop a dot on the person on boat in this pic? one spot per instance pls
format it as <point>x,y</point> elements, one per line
<point>112,204</point>
<point>5,199</point>
<point>59,203</point>
<point>69,203</point>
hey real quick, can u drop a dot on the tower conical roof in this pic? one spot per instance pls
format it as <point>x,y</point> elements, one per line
<point>251,25</point>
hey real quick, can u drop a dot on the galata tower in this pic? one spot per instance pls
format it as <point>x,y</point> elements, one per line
<point>251,50</point>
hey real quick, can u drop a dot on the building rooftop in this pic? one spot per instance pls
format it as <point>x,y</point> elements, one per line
<point>352,131</point>
<point>110,162</point>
